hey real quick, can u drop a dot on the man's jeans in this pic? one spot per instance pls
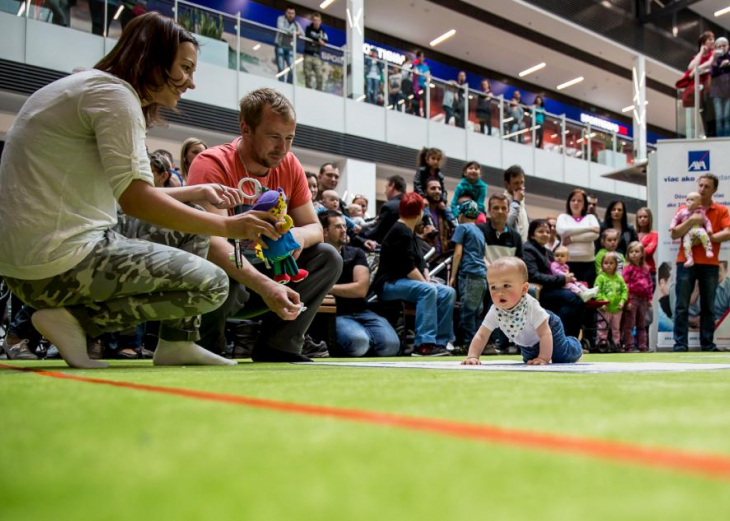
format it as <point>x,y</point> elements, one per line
<point>283,60</point>
<point>722,116</point>
<point>372,86</point>
<point>471,299</point>
<point>361,333</point>
<point>434,308</point>
<point>706,276</point>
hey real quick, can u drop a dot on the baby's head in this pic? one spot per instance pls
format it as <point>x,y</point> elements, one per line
<point>609,264</point>
<point>507,279</point>
<point>330,200</point>
<point>609,239</point>
<point>562,255</point>
<point>355,210</point>
<point>693,201</point>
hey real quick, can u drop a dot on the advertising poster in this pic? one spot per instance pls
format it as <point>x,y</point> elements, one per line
<point>679,164</point>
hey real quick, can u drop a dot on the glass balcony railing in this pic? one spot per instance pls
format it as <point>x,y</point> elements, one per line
<point>229,41</point>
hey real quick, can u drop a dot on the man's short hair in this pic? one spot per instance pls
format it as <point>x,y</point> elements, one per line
<point>495,197</point>
<point>510,263</point>
<point>251,107</point>
<point>724,264</point>
<point>398,183</point>
<point>316,15</point>
<point>712,177</point>
<point>513,171</point>
<point>324,166</point>
<point>429,181</point>
<point>324,217</point>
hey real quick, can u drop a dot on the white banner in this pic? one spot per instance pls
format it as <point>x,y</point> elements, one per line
<point>679,164</point>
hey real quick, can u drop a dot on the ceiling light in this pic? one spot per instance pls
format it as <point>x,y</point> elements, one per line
<point>532,69</point>
<point>721,12</point>
<point>119,12</point>
<point>675,31</point>
<point>443,37</point>
<point>570,83</point>
<point>629,109</point>
<point>257,47</point>
<point>326,4</point>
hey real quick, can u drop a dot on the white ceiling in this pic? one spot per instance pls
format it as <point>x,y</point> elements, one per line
<point>419,21</point>
<point>707,8</point>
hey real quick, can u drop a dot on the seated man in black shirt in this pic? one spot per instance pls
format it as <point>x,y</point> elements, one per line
<point>402,275</point>
<point>359,330</point>
<point>374,235</point>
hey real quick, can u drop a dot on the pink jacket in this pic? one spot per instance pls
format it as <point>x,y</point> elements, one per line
<point>638,280</point>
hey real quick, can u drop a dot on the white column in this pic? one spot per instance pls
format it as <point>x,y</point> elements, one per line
<point>639,112</point>
<point>355,41</point>
<point>357,177</point>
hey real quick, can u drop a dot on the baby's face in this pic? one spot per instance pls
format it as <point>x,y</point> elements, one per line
<point>331,203</point>
<point>506,287</point>
<point>355,210</point>
<point>561,257</point>
<point>693,201</point>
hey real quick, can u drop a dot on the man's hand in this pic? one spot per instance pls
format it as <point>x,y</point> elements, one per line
<point>222,197</point>
<point>299,237</point>
<point>370,244</point>
<point>282,300</point>
<point>442,206</point>
<point>566,241</point>
<point>570,277</point>
<point>453,281</point>
<point>471,361</point>
<point>519,195</point>
<point>696,219</point>
<point>252,225</point>
<point>537,361</point>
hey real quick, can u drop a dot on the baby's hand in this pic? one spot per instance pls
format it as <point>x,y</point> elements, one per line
<point>537,361</point>
<point>471,361</point>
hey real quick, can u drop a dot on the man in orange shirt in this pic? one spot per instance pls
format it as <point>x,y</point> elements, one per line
<point>704,271</point>
<point>263,155</point>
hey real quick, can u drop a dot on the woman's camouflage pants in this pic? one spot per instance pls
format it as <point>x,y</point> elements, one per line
<point>137,273</point>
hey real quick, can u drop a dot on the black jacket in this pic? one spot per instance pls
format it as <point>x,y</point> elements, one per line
<point>628,235</point>
<point>386,219</point>
<point>538,261</point>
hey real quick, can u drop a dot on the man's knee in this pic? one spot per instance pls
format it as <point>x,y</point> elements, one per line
<point>354,342</point>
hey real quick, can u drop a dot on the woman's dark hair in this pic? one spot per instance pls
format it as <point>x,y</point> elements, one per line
<point>160,163</point>
<point>704,37</point>
<point>534,225</point>
<point>144,55</point>
<point>542,101</point>
<point>468,165</point>
<point>577,191</point>
<point>608,221</point>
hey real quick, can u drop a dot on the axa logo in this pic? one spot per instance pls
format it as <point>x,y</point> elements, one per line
<point>699,161</point>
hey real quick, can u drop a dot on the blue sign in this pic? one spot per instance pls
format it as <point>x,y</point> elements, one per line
<point>698,161</point>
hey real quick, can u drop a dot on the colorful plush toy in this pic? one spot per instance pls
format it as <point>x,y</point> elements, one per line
<point>278,255</point>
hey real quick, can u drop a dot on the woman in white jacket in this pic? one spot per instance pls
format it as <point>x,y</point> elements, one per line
<point>578,230</point>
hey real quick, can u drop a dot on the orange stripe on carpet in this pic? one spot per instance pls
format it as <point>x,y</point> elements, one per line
<point>709,465</point>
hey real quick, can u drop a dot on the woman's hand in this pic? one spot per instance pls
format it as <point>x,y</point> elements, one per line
<point>252,225</point>
<point>222,197</point>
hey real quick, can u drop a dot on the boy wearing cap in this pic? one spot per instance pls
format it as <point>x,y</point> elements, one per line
<point>469,270</point>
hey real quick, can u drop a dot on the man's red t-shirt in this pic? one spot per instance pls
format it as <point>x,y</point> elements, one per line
<point>719,219</point>
<point>222,165</point>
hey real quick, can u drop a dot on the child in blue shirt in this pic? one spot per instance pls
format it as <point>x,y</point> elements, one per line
<point>469,270</point>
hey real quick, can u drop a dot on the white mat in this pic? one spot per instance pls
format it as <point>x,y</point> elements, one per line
<point>581,367</point>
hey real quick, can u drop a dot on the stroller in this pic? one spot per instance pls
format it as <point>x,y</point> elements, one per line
<point>601,325</point>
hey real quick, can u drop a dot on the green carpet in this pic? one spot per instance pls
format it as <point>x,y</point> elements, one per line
<point>77,451</point>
